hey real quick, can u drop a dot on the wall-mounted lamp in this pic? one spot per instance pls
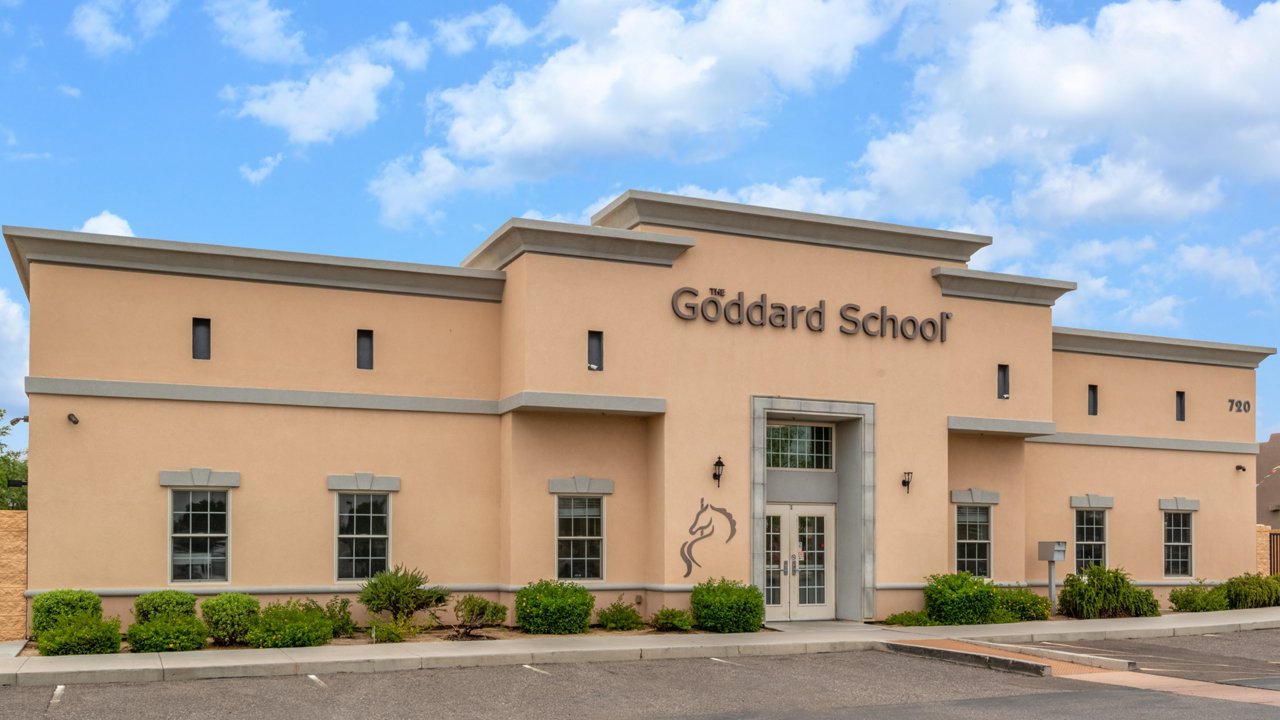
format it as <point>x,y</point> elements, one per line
<point>1240,468</point>
<point>717,470</point>
<point>71,418</point>
<point>906,481</point>
<point>24,418</point>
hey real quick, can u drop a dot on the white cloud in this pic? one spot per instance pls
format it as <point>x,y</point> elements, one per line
<point>14,337</point>
<point>96,23</point>
<point>10,138</point>
<point>1114,189</point>
<point>257,30</point>
<point>107,223</point>
<point>407,188</point>
<point>340,98</point>
<point>71,92</point>
<point>1229,267</point>
<point>499,25</point>
<point>255,176</point>
<point>1163,312</point>
<point>402,46</point>
<point>804,194</point>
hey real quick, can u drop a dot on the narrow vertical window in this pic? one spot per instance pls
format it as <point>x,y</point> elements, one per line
<point>201,338</point>
<point>198,535</point>
<point>1177,544</point>
<point>579,538</point>
<point>973,540</point>
<point>595,350</point>
<point>1002,382</point>
<point>1180,406</point>
<point>364,349</point>
<point>1093,399</point>
<point>1091,539</point>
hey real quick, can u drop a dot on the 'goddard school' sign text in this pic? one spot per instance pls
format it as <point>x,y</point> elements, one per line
<point>759,312</point>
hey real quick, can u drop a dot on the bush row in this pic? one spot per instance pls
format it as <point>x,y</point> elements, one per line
<point>1251,590</point>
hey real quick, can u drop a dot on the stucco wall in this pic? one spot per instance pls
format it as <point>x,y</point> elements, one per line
<point>13,574</point>
<point>1264,549</point>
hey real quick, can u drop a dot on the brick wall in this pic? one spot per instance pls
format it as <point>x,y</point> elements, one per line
<point>13,574</point>
<point>1264,549</point>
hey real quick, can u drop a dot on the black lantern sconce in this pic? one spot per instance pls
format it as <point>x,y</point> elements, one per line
<point>717,470</point>
<point>906,481</point>
<point>1241,468</point>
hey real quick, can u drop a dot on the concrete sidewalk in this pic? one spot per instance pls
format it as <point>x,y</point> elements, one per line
<point>793,638</point>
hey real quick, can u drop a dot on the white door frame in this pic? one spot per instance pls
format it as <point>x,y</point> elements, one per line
<point>799,563</point>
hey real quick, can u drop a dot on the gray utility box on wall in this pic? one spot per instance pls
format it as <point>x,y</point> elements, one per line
<point>1053,550</point>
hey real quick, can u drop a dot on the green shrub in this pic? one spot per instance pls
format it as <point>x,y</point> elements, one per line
<point>1252,590</point>
<point>338,610</point>
<point>1021,605</point>
<point>229,617</point>
<point>83,634</point>
<point>727,606</point>
<point>399,593</point>
<point>959,599</point>
<point>1199,598</point>
<point>620,615</point>
<point>550,607</point>
<point>391,631</point>
<point>1103,593</point>
<point>168,633</point>
<point>474,612</point>
<point>673,619</point>
<point>51,608</point>
<point>163,602</point>
<point>909,618</point>
<point>290,624</point>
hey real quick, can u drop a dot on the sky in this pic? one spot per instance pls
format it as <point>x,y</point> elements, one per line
<point>1131,147</point>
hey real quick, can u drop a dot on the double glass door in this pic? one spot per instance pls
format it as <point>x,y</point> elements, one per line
<point>799,562</point>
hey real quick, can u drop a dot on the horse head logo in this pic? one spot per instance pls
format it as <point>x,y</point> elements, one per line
<point>703,527</point>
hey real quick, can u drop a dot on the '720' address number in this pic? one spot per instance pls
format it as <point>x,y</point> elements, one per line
<point>1239,406</point>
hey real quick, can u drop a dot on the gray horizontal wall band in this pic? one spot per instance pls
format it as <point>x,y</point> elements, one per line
<point>1000,426</point>
<point>573,402</point>
<point>999,287</point>
<point>974,496</point>
<point>523,235</point>
<point>257,396</point>
<point>1179,503</point>
<point>1154,347</point>
<point>29,245</point>
<point>214,589</point>
<point>1045,584</point>
<point>364,481</point>
<point>199,477</point>
<point>641,207</point>
<point>1148,443</point>
<point>579,484</point>
<point>1090,501</point>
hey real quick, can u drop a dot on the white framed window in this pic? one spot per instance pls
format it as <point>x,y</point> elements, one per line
<point>199,535</point>
<point>1091,539</point>
<point>799,447</point>
<point>1177,544</point>
<point>364,535</point>
<point>973,539</point>
<point>579,537</point>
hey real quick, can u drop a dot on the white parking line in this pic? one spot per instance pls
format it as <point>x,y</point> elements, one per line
<point>57,695</point>
<point>726,662</point>
<point>317,680</point>
<point>530,667</point>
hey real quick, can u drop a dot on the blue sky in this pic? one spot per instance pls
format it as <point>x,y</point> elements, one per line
<point>1131,147</point>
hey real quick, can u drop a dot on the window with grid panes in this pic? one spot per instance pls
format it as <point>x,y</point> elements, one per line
<point>363,535</point>
<point>798,447</point>
<point>1091,539</point>
<point>1177,544</point>
<point>198,535</point>
<point>973,540</point>
<point>579,538</point>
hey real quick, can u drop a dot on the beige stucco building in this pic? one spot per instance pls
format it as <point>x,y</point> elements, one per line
<point>216,418</point>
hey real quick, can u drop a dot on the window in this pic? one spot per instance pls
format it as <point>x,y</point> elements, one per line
<point>198,535</point>
<point>798,447</point>
<point>201,338</point>
<point>1180,406</point>
<point>1091,539</point>
<point>364,349</point>
<point>973,540</point>
<point>1002,382</point>
<point>579,538</point>
<point>1093,399</point>
<point>363,537</point>
<point>595,350</point>
<point>1177,544</point>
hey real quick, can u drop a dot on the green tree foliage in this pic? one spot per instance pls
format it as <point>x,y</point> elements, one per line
<point>13,466</point>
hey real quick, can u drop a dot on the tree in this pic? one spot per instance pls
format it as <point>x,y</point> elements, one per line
<point>13,466</point>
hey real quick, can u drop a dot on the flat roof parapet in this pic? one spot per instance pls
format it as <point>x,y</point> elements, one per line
<point>523,235</point>
<point>640,207</point>
<point>1152,347</point>
<point>981,285</point>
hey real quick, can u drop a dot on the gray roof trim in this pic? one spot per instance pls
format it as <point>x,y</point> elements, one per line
<point>1148,443</point>
<point>1090,501</point>
<point>522,235</point>
<point>574,402</point>
<point>257,396</point>
<point>1000,426</point>
<point>981,285</point>
<point>1175,504</point>
<point>637,207</point>
<point>1152,347</point>
<point>28,245</point>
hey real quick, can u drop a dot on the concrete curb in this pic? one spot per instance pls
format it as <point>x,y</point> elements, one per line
<point>993,662</point>
<point>1104,663</point>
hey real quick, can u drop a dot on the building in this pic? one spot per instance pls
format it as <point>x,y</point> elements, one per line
<point>1268,482</point>
<point>831,409</point>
